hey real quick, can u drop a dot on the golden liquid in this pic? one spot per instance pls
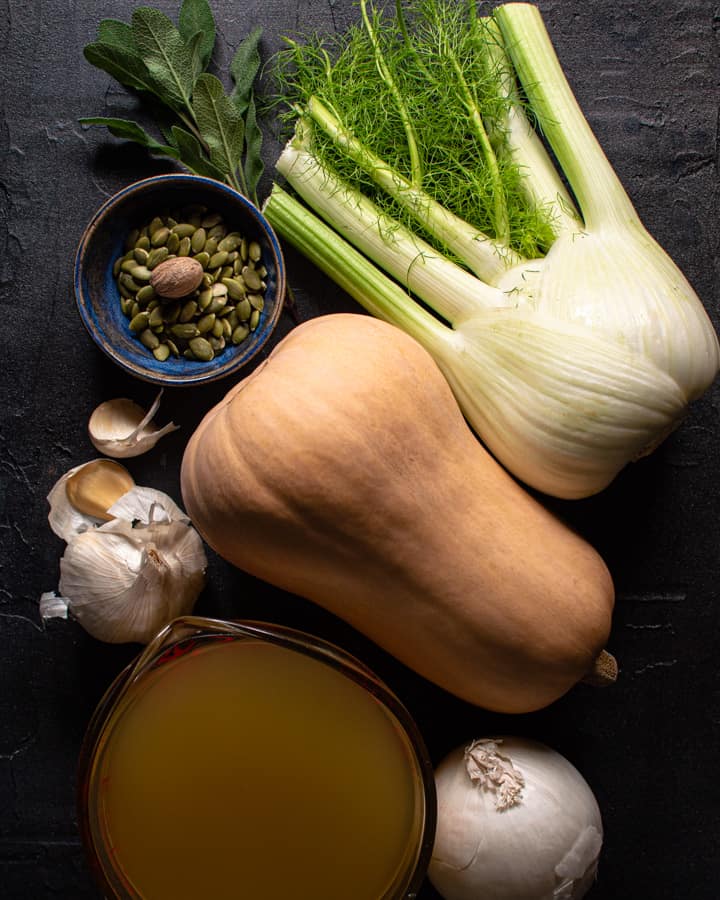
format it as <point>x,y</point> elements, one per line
<point>245,770</point>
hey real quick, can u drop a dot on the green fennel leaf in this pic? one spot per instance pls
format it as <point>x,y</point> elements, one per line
<point>123,64</point>
<point>220,123</point>
<point>165,54</point>
<point>196,17</point>
<point>253,143</point>
<point>244,68</point>
<point>131,131</point>
<point>191,154</point>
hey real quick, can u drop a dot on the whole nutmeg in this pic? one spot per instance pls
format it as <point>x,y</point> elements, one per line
<point>176,277</point>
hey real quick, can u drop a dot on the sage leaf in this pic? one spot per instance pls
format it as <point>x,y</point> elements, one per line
<point>112,31</point>
<point>123,64</point>
<point>244,68</point>
<point>196,18</point>
<point>131,131</point>
<point>191,154</point>
<point>220,123</point>
<point>165,54</point>
<point>194,46</point>
<point>253,142</point>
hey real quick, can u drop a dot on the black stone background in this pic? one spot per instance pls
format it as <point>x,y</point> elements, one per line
<point>646,74</point>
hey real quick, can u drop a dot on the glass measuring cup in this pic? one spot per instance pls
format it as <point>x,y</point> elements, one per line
<point>228,753</point>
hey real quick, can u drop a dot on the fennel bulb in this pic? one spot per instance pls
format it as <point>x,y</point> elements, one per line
<point>572,350</point>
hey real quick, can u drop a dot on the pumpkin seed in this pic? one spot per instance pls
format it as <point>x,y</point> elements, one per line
<point>139,322</point>
<point>127,265</point>
<point>202,349</point>
<point>135,309</point>
<point>126,305</point>
<point>156,224</point>
<point>173,242</point>
<point>184,247</point>
<point>211,219</point>
<point>141,273</point>
<point>217,329</point>
<point>156,317</point>
<point>142,243</point>
<point>159,237</point>
<point>254,251</point>
<point>188,311</point>
<point>251,278</point>
<point>150,339</point>
<point>227,328</point>
<point>256,301</point>
<point>218,232</point>
<point>244,309</point>
<point>203,258</point>
<point>210,247</point>
<point>161,352</point>
<point>217,259</point>
<point>205,299</point>
<point>156,256</point>
<point>254,319</point>
<point>197,241</point>
<point>145,294</point>
<point>206,323</point>
<point>183,230</point>
<point>235,287</point>
<point>239,334</point>
<point>231,242</point>
<point>173,347</point>
<point>141,255</point>
<point>184,331</point>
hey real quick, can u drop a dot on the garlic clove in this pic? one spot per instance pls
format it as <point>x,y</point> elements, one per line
<point>121,428</point>
<point>80,499</point>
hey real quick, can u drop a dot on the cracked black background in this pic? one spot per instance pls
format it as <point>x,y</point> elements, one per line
<point>646,75</point>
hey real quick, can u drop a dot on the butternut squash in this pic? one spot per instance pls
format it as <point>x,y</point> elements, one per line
<point>343,471</point>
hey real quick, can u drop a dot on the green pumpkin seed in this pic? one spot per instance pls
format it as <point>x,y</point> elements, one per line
<point>227,328</point>
<point>127,265</point>
<point>142,243</point>
<point>207,280</point>
<point>141,273</point>
<point>211,246</point>
<point>256,301</point>
<point>132,239</point>
<point>157,318</point>
<point>126,305</point>
<point>184,247</point>
<point>217,259</point>
<point>205,299</point>
<point>218,344</point>
<point>161,352</point>
<point>129,282</point>
<point>159,237</point>
<point>251,278</point>
<point>139,322</point>
<point>203,258</point>
<point>197,241</point>
<point>184,230</point>
<point>235,287</point>
<point>217,305</point>
<point>146,294</point>
<point>239,334</point>
<point>156,224</point>
<point>184,331</point>
<point>173,242</point>
<point>202,349</point>
<point>217,329</point>
<point>149,339</point>
<point>254,319</point>
<point>217,232</point>
<point>173,347</point>
<point>188,311</point>
<point>135,309</point>
<point>254,251</point>
<point>226,272</point>
<point>211,219</point>
<point>206,323</point>
<point>141,255</point>
<point>231,242</point>
<point>244,309</point>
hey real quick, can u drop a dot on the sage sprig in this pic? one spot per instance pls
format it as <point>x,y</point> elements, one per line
<point>207,130</point>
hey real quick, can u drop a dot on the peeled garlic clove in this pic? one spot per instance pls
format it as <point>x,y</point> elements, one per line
<point>81,498</point>
<point>120,428</point>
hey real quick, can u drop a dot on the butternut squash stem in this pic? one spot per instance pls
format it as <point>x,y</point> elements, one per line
<point>604,671</point>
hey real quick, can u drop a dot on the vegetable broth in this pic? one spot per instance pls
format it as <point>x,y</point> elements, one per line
<point>243,769</point>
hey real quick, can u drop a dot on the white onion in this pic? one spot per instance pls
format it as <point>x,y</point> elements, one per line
<point>516,821</point>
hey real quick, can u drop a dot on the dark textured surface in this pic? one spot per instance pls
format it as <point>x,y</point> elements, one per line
<point>647,76</point>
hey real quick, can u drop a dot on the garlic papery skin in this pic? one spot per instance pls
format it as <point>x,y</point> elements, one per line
<point>516,821</point>
<point>120,428</point>
<point>94,486</point>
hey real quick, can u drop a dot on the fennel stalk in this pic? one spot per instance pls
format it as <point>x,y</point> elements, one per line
<point>577,344</point>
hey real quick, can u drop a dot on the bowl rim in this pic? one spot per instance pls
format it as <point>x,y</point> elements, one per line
<point>214,373</point>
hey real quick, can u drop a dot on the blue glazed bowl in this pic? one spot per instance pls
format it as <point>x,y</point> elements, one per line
<point>103,241</point>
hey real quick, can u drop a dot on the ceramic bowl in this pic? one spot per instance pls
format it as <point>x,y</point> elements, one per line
<point>103,242</point>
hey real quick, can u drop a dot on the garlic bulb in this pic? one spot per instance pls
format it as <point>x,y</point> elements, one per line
<point>516,821</point>
<point>120,428</point>
<point>125,578</point>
